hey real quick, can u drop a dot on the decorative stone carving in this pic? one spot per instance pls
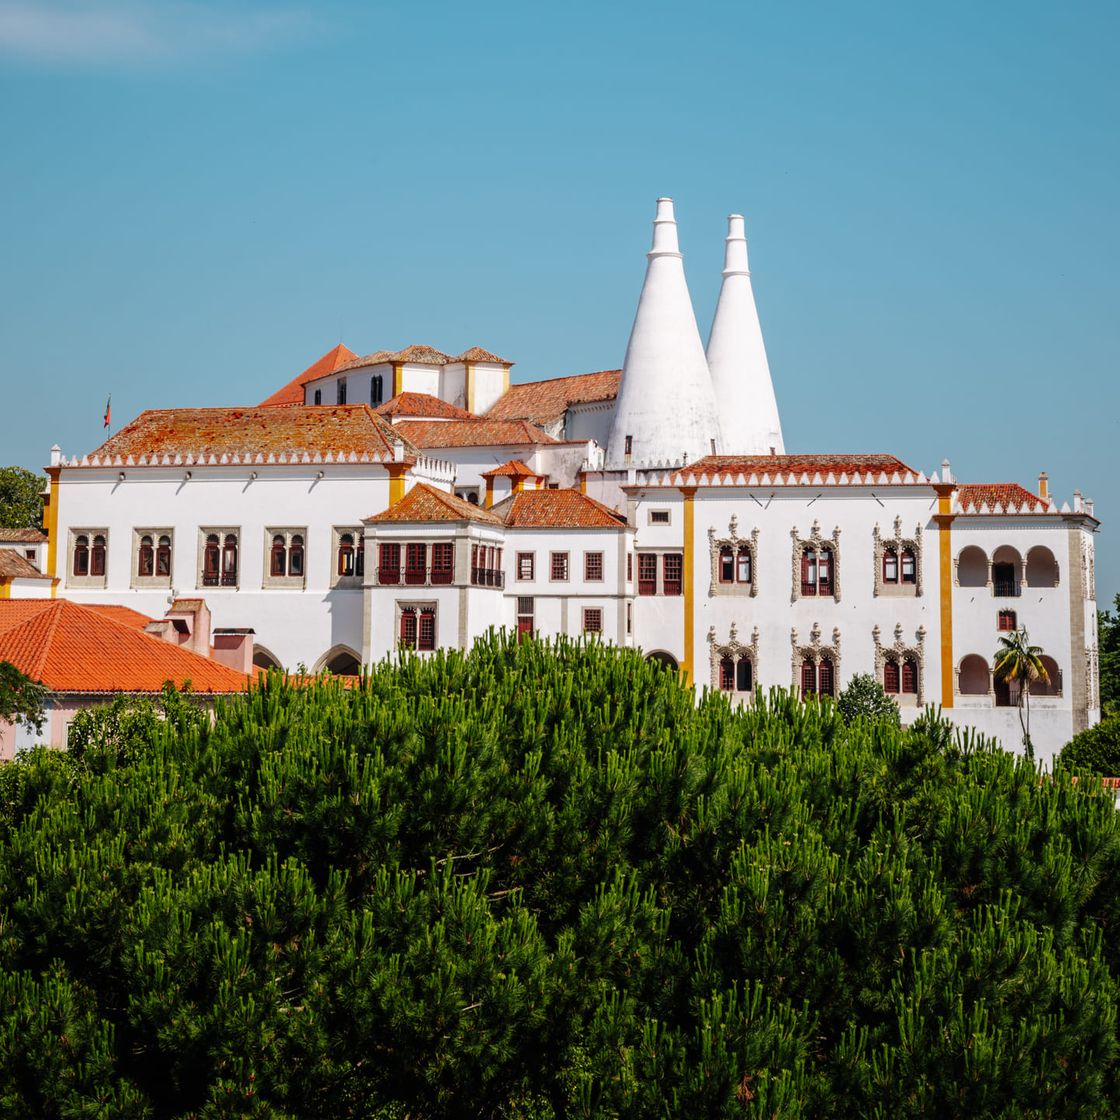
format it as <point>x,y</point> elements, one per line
<point>815,651</point>
<point>817,541</point>
<point>900,650</point>
<point>1088,568</point>
<point>898,542</point>
<point>734,649</point>
<point>734,542</point>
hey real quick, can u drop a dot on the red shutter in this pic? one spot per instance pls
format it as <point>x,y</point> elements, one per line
<point>389,563</point>
<point>825,574</point>
<point>909,677</point>
<point>890,676</point>
<point>808,572</point>
<point>824,677</point>
<point>808,678</point>
<point>726,674</point>
<point>408,629</point>
<point>426,638</point>
<point>726,565</point>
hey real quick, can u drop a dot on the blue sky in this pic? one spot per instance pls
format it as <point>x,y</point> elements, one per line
<point>201,198</point>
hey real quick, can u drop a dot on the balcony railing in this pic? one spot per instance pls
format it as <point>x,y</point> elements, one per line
<point>416,577</point>
<point>1006,588</point>
<point>487,577</point>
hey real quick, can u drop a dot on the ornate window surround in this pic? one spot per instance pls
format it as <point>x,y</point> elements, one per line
<point>734,542</point>
<point>814,651</point>
<point>898,542</point>
<point>900,650</point>
<point>815,540</point>
<point>736,650</point>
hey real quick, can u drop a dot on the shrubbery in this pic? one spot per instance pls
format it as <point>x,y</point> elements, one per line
<point>1095,750</point>
<point>533,882</point>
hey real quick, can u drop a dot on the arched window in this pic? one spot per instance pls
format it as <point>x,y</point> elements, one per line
<point>743,565</point>
<point>1006,565</point>
<point>211,561</point>
<point>97,556</point>
<point>726,674</point>
<point>229,560</point>
<point>278,562</point>
<point>974,678</point>
<point>376,389</point>
<point>146,557</point>
<point>346,554</point>
<point>81,555</point>
<point>890,676</point>
<point>808,572</point>
<point>890,566</point>
<point>1042,568</point>
<point>910,677</point>
<point>743,675</point>
<point>295,556</point>
<point>408,627</point>
<point>909,566</point>
<point>817,571</point>
<point>163,556</point>
<point>1052,686</point>
<point>825,682</point>
<point>808,677</point>
<point>972,567</point>
<point>726,565</point>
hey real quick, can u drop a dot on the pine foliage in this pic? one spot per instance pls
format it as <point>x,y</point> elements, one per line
<point>543,881</point>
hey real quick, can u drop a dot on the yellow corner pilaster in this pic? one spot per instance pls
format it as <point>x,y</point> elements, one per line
<point>489,492</point>
<point>396,482</point>
<point>5,589</point>
<point>582,482</point>
<point>945,563</point>
<point>689,493</point>
<point>398,379</point>
<point>50,523</point>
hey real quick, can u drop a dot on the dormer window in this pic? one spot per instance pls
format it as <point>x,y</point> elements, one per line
<point>376,390</point>
<point>342,390</point>
<point>318,396</point>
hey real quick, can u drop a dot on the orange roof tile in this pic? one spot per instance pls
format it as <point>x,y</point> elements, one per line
<point>477,354</point>
<point>1010,495</point>
<point>298,429</point>
<point>14,566</point>
<point>124,615</point>
<point>426,503</point>
<point>22,536</point>
<point>472,433</point>
<point>544,402</point>
<point>73,648</point>
<point>292,393</point>
<point>556,509</point>
<point>422,405</point>
<point>515,468</point>
<point>418,355</point>
<point>796,464</point>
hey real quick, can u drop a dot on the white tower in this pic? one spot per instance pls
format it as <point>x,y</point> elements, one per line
<point>666,407</point>
<point>744,391</point>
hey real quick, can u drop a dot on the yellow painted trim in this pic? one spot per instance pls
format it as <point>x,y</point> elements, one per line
<point>505,381</point>
<point>582,482</point>
<point>396,482</point>
<point>468,378</point>
<point>5,589</point>
<point>398,379</point>
<point>689,493</point>
<point>50,521</point>
<point>945,562</point>
<point>489,492</point>
<point>518,482</point>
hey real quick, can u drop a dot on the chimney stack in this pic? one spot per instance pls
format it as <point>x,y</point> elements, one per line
<point>1044,485</point>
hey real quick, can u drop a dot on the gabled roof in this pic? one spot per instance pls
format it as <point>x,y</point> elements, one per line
<point>477,354</point>
<point>22,536</point>
<point>298,429</point>
<point>514,468</point>
<point>422,405</point>
<point>417,355</point>
<point>426,503</point>
<point>556,509</point>
<point>74,648</point>
<point>1010,496</point>
<point>544,402</point>
<point>292,393</point>
<point>14,566</point>
<point>472,433</point>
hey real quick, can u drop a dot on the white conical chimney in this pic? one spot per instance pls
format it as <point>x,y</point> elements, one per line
<point>665,402</point>
<point>744,391</point>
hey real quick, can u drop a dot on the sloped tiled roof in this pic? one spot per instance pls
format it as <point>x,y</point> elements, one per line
<point>472,433</point>
<point>22,536</point>
<point>124,615</point>
<point>1010,496</point>
<point>422,405</point>
<point>556,509</point>
<point>544,402</point>
<point>292,393</point>
<point>73,648</point>
<point>799,464</point>
<point>477,354</point>
<point>418,355</point>
<point>515,468</point>
<point>298,429</point>
<point>426,503</point>
<point>14,566</point>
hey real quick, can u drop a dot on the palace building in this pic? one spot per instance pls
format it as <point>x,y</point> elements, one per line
<point>415,498</point>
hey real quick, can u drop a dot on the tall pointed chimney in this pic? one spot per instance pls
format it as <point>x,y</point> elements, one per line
<point>665,402</point>
<point>744,392</point>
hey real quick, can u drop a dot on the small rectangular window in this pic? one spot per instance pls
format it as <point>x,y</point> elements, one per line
<point>647,573</point>
<point>426,635</point>
<point>671,571</point>
<point>629,566</point>
<point>525,565</point>
<point>592,620</point>
<point>593,567</point>
<point>659,517</point>
<point>389,563</point>
<point>1006,620</point>
<point>342,390</point>
<point>629,618</point>
<point>318,396</point>
<point>559,566</point>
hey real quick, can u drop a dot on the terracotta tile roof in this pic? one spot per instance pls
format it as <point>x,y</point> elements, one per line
<point>515,468</point>
<point>422,405</point>
<point>73,648</point>
<point>22,536</point>
<point>14,566</point>
<point>292,393</point>
<point>124,615</point>
<point>186,606</point>
<point>477,354</point>
<point>299,430</point>
<point>426,503</point>
<point>556,509</point>
<point>544,402</point>
<point>1009,495</point>
<point>472,433</point>
<point>418,355</point>
<point>799,464</point>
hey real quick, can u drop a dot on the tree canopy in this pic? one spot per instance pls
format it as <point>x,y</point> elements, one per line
<point>22,700</point>
<point>865,698</point>
<point>21,504</point>
<point>545,882</point>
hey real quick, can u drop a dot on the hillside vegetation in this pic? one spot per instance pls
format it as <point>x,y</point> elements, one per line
<point>543,882</point>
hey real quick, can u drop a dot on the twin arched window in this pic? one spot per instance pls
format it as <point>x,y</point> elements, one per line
<point>219,560</point>
<point>735,675</point>
<point>899,567</point>
<point>900,679</point>
<point>154,556</point>
<point>817,678</point>
<point>286,555</point>
<point>89,559</point>
<point>351,559</point>
<point>818,570</point>
<point>735,564</point>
